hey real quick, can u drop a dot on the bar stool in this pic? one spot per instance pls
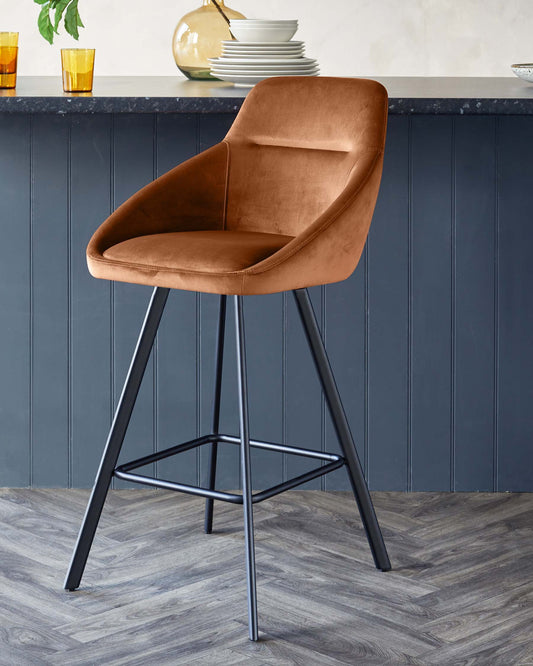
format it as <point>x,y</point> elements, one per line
<point>283,203</point>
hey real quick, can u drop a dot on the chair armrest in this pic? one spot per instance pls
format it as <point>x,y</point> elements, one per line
<point>330,247</point>
<point>192,196</point>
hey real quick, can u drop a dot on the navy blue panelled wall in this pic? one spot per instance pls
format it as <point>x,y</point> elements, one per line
<point>431,339</point>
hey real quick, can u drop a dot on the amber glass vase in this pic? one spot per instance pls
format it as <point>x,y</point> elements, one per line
<point>198,36</point>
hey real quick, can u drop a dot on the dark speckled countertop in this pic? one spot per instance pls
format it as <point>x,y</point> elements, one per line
<point>167,94</point>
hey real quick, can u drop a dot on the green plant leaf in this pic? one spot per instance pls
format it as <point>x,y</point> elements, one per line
<point>45,25</point>
<point>60,7</point>
<point>71,19</point>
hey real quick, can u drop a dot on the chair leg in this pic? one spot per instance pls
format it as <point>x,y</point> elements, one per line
<point>116,437</point>
<point>219,360</point>
<point>355,472</point>
<point>246,471</point>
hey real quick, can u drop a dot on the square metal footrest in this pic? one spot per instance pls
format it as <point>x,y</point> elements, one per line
<point>332,461</point>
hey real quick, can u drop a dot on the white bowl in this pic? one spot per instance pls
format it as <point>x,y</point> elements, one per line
<point>263,22</point>
<point>524,71</point>
<point>258,33</point>
<point>263,34</point>
<point>252,24</point>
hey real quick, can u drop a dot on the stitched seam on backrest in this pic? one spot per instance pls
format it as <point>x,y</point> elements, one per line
<point>294,145</point>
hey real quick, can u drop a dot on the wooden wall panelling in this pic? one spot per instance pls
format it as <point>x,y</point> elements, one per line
<point>212,129</point>
<point>264,355</point>
<point>133,167</point>
<point>430,302</point>
<point>345,328</point>
<point>50,271</point>
<point>388,318</point>
<point>515,305</point>
<point>15,300</point>
<point>304,404</point>
<point>91,344</point>
<point>177,384</point>
<point>474,302</point>
<point>430,338</point>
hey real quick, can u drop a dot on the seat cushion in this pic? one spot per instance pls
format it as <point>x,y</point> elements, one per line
<point>198,251</point>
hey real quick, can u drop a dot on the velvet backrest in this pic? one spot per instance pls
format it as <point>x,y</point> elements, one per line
<point>294,146</point>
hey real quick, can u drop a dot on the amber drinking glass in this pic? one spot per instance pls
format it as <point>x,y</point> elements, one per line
<point>8,59</point>
<point>78,69</point>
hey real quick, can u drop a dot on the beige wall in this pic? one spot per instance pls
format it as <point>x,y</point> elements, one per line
<point>348,37</point>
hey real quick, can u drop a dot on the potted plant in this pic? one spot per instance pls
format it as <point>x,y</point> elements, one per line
<point>51,14</point>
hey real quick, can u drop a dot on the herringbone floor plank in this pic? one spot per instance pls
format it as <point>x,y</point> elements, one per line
<point>158,591</point>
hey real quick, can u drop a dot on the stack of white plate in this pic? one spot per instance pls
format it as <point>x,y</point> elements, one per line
<point>245,63</point>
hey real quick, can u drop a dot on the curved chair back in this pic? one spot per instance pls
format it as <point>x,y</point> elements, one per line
<point>294,146</point>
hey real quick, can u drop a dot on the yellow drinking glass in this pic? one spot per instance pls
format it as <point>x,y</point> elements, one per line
<point>78,69</point>
<point>8,59</point>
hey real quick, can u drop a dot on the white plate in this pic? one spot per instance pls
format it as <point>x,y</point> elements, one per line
<point>263,72</point>
<point>227,47</point>
<point>270,69</point>
<point>266,61</point>
<point>279,49</point>
<point>248,80</point>
<point>261,68</point>
<point>262,49</point>
<point>262,56</point>
<point>278,45</point>
<point>247,47</point>
<point>247,51</point>
<point>267,74</point>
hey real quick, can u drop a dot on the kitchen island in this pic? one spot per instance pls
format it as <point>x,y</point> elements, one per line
<point>430,339</point>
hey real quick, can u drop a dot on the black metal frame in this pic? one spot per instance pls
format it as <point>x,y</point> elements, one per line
<point>330,462</point>
<point>333,462</point>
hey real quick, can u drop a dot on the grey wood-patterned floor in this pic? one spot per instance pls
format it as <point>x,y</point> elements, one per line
<point>159,591</point>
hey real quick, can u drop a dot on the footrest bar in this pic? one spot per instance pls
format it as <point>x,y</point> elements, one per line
<point>228,439</point>
<point>283,448</point>
<point>179,487</point>
<point>166,453</point>
<point>297,481</point>
<point>233,498</point>
<point>124,472</point>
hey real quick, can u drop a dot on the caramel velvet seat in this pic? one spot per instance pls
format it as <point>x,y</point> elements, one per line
<point>283,203</point>
<point>178,258</point>
<point>301,163</point>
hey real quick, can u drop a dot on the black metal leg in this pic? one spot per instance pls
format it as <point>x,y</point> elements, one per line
<point>116,437</point>
<point>219,360</point>
<point>246,471</point>
<point>357,480</point>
